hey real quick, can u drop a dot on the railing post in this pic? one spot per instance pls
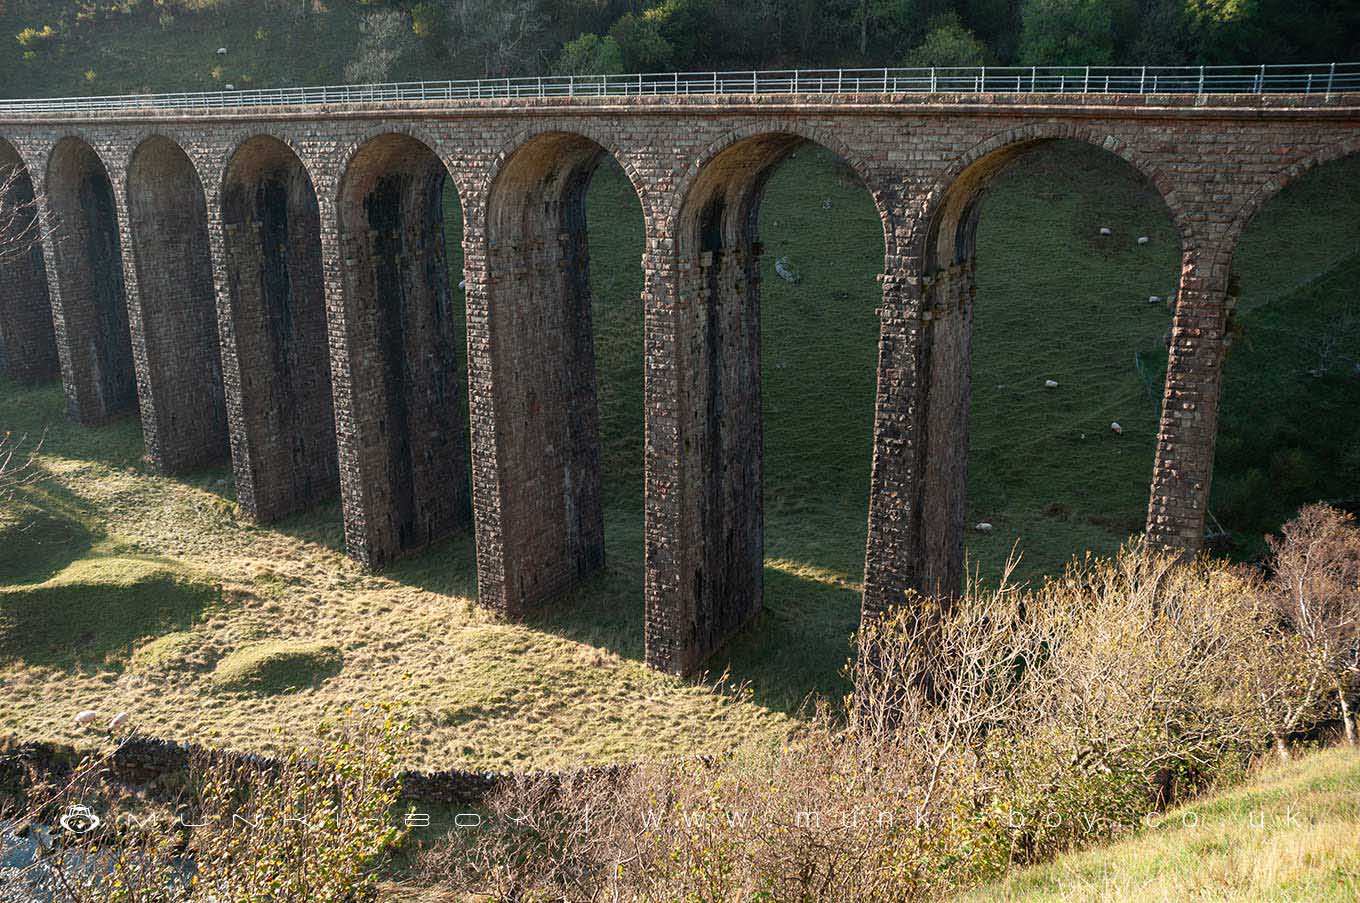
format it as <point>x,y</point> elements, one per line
<point>1200,90</point>
<point>933,83</point>
<point>1142,79</point>
<point>885,79</point>
<point>1309,89</point>
<point>840,81</point>
<point>982,81</point>
<point>676,80</point>
<point>1331,76</point>
<point>1261,80</point>
<point>1033,77</point>
<point>1086,84</point>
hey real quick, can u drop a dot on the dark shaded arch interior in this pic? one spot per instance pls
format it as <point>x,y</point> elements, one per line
<point>543,367</point>
<point>404,363</point>
<point>28,344</point>
<point>187,424</point>
<point>284,450</point>
<point>103,382</point>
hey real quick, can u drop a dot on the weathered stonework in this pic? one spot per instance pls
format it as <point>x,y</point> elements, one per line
<point>326,253</point>
<point>28,344</point>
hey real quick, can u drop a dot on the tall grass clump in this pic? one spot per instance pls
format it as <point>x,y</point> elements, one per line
<point>996,729</point>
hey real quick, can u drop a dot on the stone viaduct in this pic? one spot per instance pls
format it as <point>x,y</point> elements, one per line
<point>270,284</point>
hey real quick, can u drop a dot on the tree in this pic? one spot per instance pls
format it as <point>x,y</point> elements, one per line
<point>1067,33</point>
<point>1317,591</point>
<point>641,44</point>
<point>947,43</point>
<point>384,37</point>
<point>590,54</point>
<point>504,35</point>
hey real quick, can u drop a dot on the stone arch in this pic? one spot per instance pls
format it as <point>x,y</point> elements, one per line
<point>183,406</point>
<point>527,136</point>
<point>28,344</point>
<point>272,316</point>
<point>405,428</point>
<point>90,308</point>
<point>784,136</point>
<point>944,240</point>
<point>947,211</point>
<point>413,130</point>
<point>532,356</point>
<point>721,459</point>
<point>1286,397</point>
<point>1277,183</point>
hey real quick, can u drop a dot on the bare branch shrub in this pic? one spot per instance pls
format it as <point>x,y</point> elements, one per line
<point>22,223</point>
<point>1001,728</point>
<point>1315,589</point>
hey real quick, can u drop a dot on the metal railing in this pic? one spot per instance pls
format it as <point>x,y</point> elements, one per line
<point>1323,78</point>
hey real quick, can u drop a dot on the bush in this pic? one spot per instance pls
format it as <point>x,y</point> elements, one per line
<point>999,728</point>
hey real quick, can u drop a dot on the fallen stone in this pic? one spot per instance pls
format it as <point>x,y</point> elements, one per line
<point>785,272</point>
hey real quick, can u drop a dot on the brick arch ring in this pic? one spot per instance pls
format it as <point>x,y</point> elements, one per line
<point>1273,186</point>
<point>829,142</point>
<point>408,129</point>
<point>248,136</point>
<point>524,137</point>
<point>104,161</point>
<point>23,159</point>
<point>199,162</point>
<point>934,199</point>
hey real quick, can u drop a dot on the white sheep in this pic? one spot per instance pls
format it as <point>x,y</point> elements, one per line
<point>1106,230</point>
<point>1143,239</point>
<point>85,717</point>
<point>1050,384</point>
<point>1116,428</point>
<point>983,527</point>
<point>119,720</point>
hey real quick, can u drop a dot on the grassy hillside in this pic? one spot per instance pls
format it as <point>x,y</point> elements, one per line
<point>1291,835</point>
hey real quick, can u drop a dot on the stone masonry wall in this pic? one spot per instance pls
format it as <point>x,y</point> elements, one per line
<point>28,344</point>
<point>696,163</point>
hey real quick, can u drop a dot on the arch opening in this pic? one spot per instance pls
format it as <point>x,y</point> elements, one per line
<point>185,417</point>
<point>1290,393</point>
<point>542,368</point>
<point>28,343</point>
<point>100,379</point>
<point>777,403</point>
<point>276,361</point>
<point>1048,260</point>
<point>409,425</point>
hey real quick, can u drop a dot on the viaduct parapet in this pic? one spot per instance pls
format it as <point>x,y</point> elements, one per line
<point>269,285</point>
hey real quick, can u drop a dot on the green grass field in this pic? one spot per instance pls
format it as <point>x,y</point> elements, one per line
<point>1291,835</point>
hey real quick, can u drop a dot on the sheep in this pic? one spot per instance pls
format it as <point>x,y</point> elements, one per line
<point>1143,239</point>
<point>119,720</point>
<point>1050,384</point>
<point>1106,230</point>
<point>85,717</point>
<point>1116,428</point>
<point>983,527</point>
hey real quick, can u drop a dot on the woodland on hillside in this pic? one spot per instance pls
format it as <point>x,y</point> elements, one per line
<point>390,39</point>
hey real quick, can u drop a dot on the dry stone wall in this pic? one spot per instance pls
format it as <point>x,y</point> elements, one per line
<point>323,248</point>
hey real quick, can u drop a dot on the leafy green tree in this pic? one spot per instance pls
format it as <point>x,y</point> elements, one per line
<point>641,43</point>
<point>1067,33</point>
<point>948,43</point>
<point>590,54</point>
